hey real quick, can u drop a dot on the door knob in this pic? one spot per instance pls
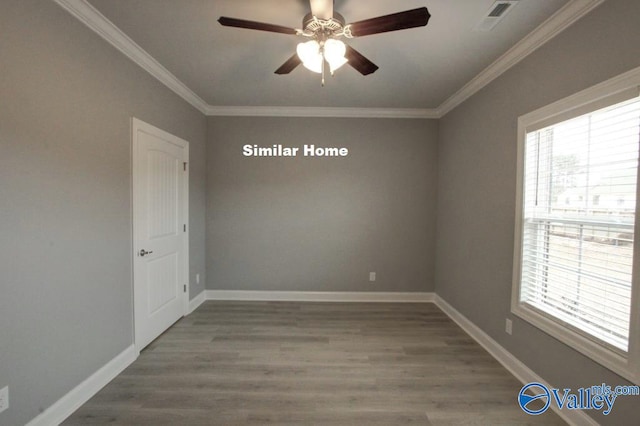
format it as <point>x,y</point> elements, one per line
<point>143,252</point>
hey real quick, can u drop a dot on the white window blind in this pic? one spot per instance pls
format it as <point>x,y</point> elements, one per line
<point>579,204</point>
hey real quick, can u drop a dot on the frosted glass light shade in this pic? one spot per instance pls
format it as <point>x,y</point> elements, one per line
<point>334,51</point>
<point>309,54</point>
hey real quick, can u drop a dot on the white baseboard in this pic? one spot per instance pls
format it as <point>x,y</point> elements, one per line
<point>65,406</point>
<point>196,302</point>
<point>523,373</point>
<point>320,296</point>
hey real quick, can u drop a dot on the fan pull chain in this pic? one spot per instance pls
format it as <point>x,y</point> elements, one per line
<point>324,63</point>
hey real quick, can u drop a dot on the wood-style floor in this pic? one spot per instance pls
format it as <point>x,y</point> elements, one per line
<point>289,363</point>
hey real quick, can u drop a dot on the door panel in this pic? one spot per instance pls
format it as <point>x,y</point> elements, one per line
<point>163,191</point>
<point>162,276</point>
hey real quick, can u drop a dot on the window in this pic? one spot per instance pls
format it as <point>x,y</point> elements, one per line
<point>576,215</point>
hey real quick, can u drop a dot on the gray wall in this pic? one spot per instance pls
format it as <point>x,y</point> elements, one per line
<point>476,187</point>
<point>322,224</point>
<point>66,99</point>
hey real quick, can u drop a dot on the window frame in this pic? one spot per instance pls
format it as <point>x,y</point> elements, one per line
<point>591,99</point>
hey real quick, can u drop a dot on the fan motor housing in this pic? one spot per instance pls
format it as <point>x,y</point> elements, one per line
<point>335,25</point>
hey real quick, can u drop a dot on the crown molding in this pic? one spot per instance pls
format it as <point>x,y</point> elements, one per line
<point>558,22</point>
<point>299,111</point>
<point>562,19</point>
<point>92,18</point>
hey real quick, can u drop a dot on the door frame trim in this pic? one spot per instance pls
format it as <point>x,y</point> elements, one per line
<point>137,125</point>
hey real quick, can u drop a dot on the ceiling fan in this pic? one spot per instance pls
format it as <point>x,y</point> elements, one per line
<point>324,28</point>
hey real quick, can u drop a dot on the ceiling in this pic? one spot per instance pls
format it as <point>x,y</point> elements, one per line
<point>222,67</point>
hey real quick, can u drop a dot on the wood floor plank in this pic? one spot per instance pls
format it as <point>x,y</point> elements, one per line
<point>291,363</point>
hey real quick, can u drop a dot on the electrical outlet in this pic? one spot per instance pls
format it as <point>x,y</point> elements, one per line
<point>4,398</point>
<point>509,326</point>
<point>372,276</point>
<point>197,278</point>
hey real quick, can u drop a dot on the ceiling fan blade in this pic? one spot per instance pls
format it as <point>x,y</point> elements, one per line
<point>289,65</point>
<point>359,62</point>
<point>253,25</point>
<point>322,9</point>
<point>396,21</point>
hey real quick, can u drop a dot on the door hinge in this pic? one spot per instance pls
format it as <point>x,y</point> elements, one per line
<point>184,227</point>
<point>184,166</point>
<point>185,288</point>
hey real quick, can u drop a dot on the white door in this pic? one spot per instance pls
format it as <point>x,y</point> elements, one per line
<point>160,211</point>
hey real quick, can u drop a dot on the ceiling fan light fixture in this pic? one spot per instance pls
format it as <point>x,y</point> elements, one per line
<point>313,54</point>
<point>324,26</point>
<point>309,54</point>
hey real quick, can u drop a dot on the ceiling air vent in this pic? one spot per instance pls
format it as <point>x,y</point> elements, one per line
<point>495,14</point>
